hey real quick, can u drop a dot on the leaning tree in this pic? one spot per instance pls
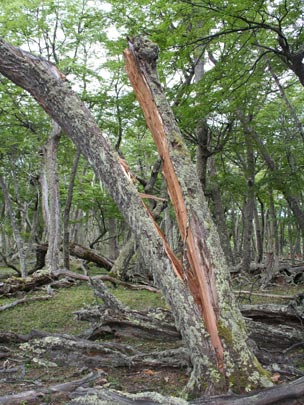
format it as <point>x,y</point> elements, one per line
<point>197,288</point>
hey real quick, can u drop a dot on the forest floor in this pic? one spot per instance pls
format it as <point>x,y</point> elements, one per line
<point>56,315</point>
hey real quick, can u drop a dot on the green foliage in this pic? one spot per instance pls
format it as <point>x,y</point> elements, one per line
<point>237,40</point>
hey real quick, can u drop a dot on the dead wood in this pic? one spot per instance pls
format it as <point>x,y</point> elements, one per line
<point>105,277</point>
<point>62,278</point>
<point>291,393</point>
<point>43,394</point>
<point>285,272</point>
<point>90,255</point>
<point>115,318</point>
<point>78,251</point>
<point>17,284</point>
<point>69,350</point>
<point>255,294</point>
<point>134,324</point>
<point>10,265</point>
<point>269,335</point>
<point>291,315</point>
<point>109,396</point>
<point>24,301</point>
<point>12,337</point>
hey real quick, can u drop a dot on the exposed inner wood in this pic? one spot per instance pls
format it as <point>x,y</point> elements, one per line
<point>200,284</point>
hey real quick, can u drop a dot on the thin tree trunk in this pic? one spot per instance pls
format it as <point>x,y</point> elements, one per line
<point>17,236</point>
<point>44,201</point>
<point>44,82</point>
<point>248,212</point>
<point>258,234</point>
<point>66,215</point>
<point>53,256</point>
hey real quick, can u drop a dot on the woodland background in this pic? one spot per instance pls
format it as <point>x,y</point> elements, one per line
<point>236,101</point>
<point>233,74</point>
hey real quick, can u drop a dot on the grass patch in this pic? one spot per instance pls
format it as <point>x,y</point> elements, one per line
<point>56,314</point>
<point>141,299</point>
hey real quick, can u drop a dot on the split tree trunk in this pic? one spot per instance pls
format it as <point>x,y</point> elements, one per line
<point>44,82</point>
<point>205,271</point>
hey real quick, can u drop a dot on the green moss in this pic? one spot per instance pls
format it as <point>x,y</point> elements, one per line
<point>225,334</point>
<point>178,143</point>
<point>261,369</point>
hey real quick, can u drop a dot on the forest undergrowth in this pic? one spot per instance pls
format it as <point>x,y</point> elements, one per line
<point>20,371</point>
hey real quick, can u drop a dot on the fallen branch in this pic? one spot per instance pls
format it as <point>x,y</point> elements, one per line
<point>23,301</point>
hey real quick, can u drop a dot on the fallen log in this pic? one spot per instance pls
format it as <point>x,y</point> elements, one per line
<point>270,336</point>
<point>90,255</point>
<point>18,284</point>
<point>133,324</point>
<point>46,393</point>
<point>109,396</point>
<point>291,315</point>
<point>79,251</point>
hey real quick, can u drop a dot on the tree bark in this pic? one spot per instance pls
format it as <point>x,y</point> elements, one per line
<point>45,83</point>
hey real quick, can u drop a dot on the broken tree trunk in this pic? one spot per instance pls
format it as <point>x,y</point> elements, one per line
<point>204,270</point>
<point>48,87</point>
